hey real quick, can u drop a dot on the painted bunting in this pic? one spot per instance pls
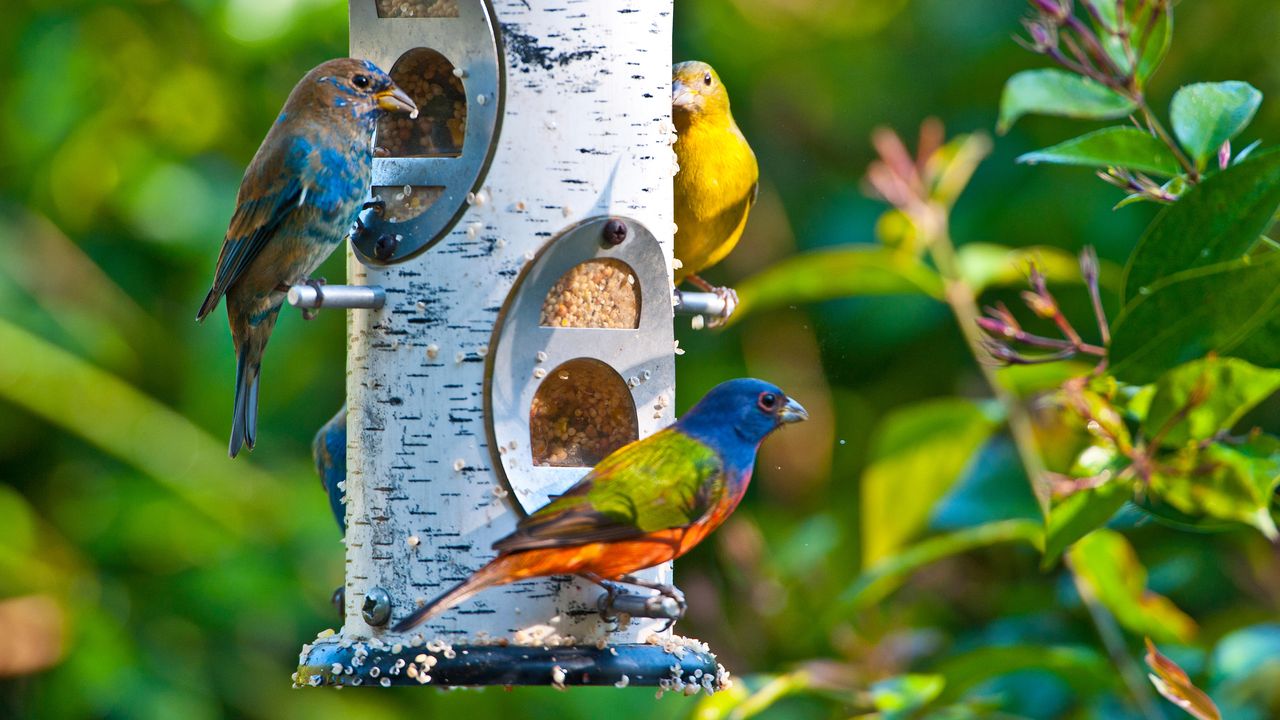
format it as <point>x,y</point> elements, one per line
<point>718,177</point>
<point>298,198</point>
<point>329,450</point>
<point>646,503</point>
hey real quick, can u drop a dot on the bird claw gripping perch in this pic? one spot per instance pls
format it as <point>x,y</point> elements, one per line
<point>710,309</point>
<point>668,603</point>
<point>729,297</point>
<point>316,284</point>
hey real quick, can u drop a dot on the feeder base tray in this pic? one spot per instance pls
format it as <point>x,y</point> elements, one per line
<point>331,663</point>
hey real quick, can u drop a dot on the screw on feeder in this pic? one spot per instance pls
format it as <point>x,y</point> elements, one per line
<point>385,247</point>
<point>615,231</point>
<point>377,607</point>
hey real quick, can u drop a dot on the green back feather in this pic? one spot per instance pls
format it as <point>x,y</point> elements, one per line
<point>668,480</point>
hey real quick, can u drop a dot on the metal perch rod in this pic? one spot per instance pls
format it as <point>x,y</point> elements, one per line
<point>649,606</point>
<point>699,303</point>
<point>313,297</point>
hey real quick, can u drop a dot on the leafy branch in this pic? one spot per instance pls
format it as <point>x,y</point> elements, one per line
<point>1105,54</point>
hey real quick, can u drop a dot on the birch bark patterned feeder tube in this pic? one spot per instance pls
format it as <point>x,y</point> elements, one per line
<point>526,333</point>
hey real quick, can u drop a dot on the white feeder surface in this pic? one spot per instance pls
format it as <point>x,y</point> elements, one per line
<point>586,132</point>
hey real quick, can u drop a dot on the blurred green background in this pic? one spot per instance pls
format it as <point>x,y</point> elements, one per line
<point>182,584</point>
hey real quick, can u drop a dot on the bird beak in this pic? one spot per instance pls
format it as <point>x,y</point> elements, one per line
<point>393,99</point>
<point>681,96</point>
<point>792,412</point>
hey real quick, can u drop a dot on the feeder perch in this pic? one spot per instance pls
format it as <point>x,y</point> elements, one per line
<point>526,333</point>
<point>346,297</point>
<point>699,303</point>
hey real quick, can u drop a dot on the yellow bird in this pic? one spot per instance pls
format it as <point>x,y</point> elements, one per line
<point>718,177</point>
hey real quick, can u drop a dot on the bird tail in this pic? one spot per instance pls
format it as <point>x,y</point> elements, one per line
<point>210,302</point>
<point>494,573</point>
<point>244,420</point>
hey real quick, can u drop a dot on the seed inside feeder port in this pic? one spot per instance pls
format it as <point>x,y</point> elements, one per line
<point>407,202</point>
<point>600,293</point>
<point>582,412</point>
<point>417,8</point>
<point>441,125</point>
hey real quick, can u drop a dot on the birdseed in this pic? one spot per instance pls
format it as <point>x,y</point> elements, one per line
<point>581,413</point>
<point>401,205</point>
<point>600,293</point>
<point>442,109</point>
<point>417,8</point>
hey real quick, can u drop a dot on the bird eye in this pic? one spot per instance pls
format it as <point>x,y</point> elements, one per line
<point>768,401</point>
<point>360,81</point>
<point>706,79</point>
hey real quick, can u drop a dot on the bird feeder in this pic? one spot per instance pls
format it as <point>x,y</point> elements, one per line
<point>427,168</point>
<point>522,330</point>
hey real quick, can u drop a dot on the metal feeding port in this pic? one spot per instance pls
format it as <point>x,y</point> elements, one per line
<point>426,170</point>
<point>518,328</point>
<point>582,359</point>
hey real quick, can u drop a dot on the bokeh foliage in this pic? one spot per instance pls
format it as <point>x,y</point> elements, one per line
<point>864,569</point>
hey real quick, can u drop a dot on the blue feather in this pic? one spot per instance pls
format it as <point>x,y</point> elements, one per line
<point>296,202</point>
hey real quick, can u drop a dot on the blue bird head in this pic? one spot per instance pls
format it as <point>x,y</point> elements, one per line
<point>738,414</point>
<point>358,86</point>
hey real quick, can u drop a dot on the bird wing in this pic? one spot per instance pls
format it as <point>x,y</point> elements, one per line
<point>272,188</point>
<point>668,480</point>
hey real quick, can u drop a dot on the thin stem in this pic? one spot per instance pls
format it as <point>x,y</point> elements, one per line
<point>965,308</point>
<point>963,304</point>
<point>1113,641</point>
<point>1154,124</point>
<point>1099,314</point>
<point>1085,33</point>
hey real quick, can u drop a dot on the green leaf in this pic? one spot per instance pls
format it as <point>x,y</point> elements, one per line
<point>1057,92</point>
<point>107,412</point>
<point>1224,389</point>
<point>1157,45</point>
<point>1206,115</point>
<point>879,581</point>
<point>1231,309</point>
<point>898,696</point>
<point>1104,11</point>
<point>848,271</point>
<point>1123,147</point>
<point>1137,19</point>
<point>1084,670</point>
<point>753,696</point>
<point>1110,572</point>
<point>1218,220</point>
<point>1080,514</point>
<point>1172,189</point>
<point>1233,482</point>
<point>923,447</point>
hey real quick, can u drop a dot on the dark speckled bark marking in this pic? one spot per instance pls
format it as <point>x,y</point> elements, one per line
<point>526,54</point>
